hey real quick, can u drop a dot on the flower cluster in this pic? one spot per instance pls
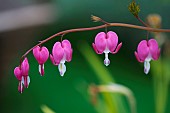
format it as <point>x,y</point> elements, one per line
<point>21,73</point>
<point>62,51</point>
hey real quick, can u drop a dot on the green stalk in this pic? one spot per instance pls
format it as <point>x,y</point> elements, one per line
<point>116,88</point>
<point>160,84</point>
<point>115,103</point>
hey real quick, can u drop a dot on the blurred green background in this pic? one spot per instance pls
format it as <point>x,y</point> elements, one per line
<point>70,93</point>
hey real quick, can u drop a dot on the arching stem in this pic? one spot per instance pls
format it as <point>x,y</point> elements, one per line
<point>94,28</point>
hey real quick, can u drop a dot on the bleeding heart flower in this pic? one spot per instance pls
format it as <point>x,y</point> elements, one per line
<point>18,75</point>
<point>21,73</point>
<point>107,43</point>
<point>41,54</point>
<point>25,70</point>
<point>147,51</point>
<point>61,52</point>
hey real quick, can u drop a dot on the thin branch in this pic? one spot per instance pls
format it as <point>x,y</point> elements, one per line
<point>140,20</point>
<point>146,25</point>
<point>94,28</point>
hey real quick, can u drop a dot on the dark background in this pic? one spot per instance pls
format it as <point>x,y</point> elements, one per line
<point>69,93</point>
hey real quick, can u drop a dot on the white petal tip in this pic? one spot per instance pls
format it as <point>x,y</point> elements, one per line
<point>146,67</point>
<point>61,74</point>
<point>146,72</point>
<point>41,69</point>
<point>28,81</point>
<point>106,62</point>
<point>62,69</point>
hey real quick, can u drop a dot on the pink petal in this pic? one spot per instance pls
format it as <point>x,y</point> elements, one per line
<point>17,73</point>
<point>68,53</point>
<point>112,40</point>
<point>117,49</point>
<point>36,53</point>
<point>52,60</point>
<point>25,67</point>
<point>41,54</point>
<point>95,49</point>
<point>66,44</point>
<point>154,49</point>
<point>100,42</point>
<point>67,50</point>
<point>58,52</point>
<point>137,57</point>
<point>44,54</point>
<point>20,87</point>
<point>143,50</point>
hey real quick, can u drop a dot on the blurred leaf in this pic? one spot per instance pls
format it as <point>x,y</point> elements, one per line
<point>46,109</point>
<point>114,102</point>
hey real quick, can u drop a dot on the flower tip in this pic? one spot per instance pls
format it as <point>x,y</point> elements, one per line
<point>20,92</point>
<point>62,74</point>
<point>20,87</point>
<point>26,81</point>
<point>95,18</point>
<point>41,69</point>
<point>134,8</point>
<point>146,71</point>
<point>107,62</point>
<point>146,67</point>
<point>118,47</point>
<point>62,68</point>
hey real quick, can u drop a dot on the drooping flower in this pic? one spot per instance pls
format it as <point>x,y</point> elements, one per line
<point>18,75</point>
<point>41,54</point>
<point>21,73</point>
<point>61,52</point>
<point>24,71</point>
<point>106,43</point>
<point>147,51</point>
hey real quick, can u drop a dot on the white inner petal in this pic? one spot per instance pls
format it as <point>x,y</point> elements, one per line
<point>39,68</point>
<point>106,61</point>
<point>106,50</point>
<point>62,61</point>
<point>22,80</point>
<point>28,80</point>
<point>146,66</point>
<point>149,57</point>
<point>43,67</point>
<point>147,63</point>
<point>62,68</point>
